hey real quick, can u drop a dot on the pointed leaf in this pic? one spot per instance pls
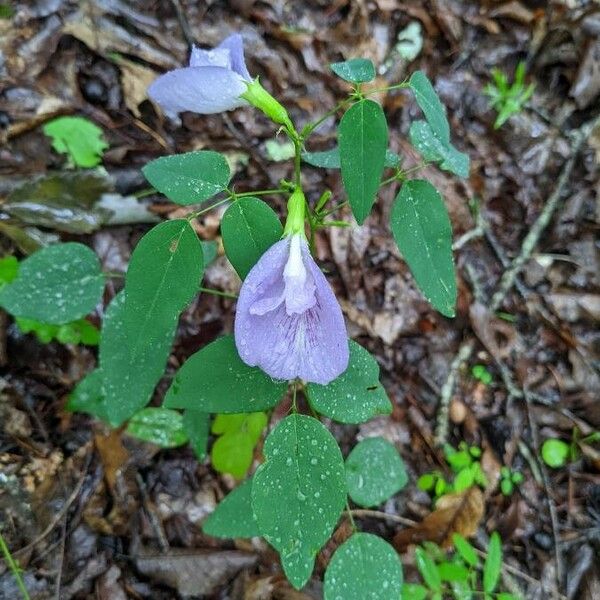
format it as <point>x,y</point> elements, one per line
<point>189,178</point>
<point>465,550</point>
<point>430,104</point>
<point>374,472</point>
<point>57,284</point>
<point>364,567</point>
<point>493,564</point>
<point>422,230</point>
<point>363,139</point>
<point>355,396</point>
<point>215,380</point>
<point>233,517</point>
<point>196,425</point>
<point>159,426</point>
<point>299,492</point>
<point>354,70</point>
<point>428,569</point>
<point>433,149</point>
<point>330,159</point>
<point>163,276</point>
<point>249,228</point>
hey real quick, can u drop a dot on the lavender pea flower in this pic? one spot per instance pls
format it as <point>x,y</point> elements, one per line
<point>212,83</point>
<point>288,321</point>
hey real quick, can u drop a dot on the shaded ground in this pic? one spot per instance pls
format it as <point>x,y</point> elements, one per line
<point>87,512</point>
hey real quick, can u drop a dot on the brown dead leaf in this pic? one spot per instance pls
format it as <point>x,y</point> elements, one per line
<point>454,513</point>
<point>197,572</point>
<point>135,80</point>
<point>113,455</point>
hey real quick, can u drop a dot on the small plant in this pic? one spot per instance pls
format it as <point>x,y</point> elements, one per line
<point>458,574</point>
<point>508,480</point>
<point>466,466</point>
<point>557,453</point>
<point>508,99</point>
<point>481,373</point>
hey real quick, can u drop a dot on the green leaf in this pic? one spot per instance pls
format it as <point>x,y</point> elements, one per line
<point>189,178</point>
<point>355,396</point>
<point>433,149</point>
<point>249,228</point>
<point>279,151</point>
<point>88,396</point>
<point>374,472</point>
<point>365,566</point>
<point>430,104</point>
<point>80,331</point>
<point>414,591</point>
<point>452,572</point>
<point>163,276</point>
<point>330,159</point>
<point>233,517</point>
<point>216,380</point>
<point>9,267</point>
<point>422,230</point>
<point>493,563</point>
<point>428,569</point>
<point>363,139</point>
<point>555,453</point>
<point>131,368</point>
<point>465,550</point>
<point>233,452</point>
<point>160,426</point>
<point>299,492</point>
<point>209,251</point>
<point>354,70</point>
<point>79,138</point>
<point>196,425</point>
<point>57,284</point>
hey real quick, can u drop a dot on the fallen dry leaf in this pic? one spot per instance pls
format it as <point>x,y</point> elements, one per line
<point>454,513</point>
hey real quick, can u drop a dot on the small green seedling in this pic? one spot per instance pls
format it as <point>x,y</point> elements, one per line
<point>509,480</point>
<point>508,99</point>
<point>481,373</point>
<point>557,453</point>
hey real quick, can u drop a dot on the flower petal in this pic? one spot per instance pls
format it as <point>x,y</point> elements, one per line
<point>217,57</point>
<point>235,44</point>
<point>311,345</point>
<point>203,90</point>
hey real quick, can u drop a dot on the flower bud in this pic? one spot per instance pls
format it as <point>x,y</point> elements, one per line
<point>296,207</point>
<point>261,99</point>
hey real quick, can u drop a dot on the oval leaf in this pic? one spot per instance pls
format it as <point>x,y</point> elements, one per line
<point>493,564</point>
<point>330,159</point>
<point>365,567</point>
<point>422,230</point>
<point>355,396</point>
<point>249,228</point>
<point>354,70</point>
<point>189,178</point>
<point>163,276</point>
<point>159,426</point>
<point>374,472</point>
<point>233,517</point>
<point>430,104</point>
<point>215,380</point>
<point>57,284</point>
<point>299,493</point>
<point>363,138</point>
<point>428,569</point>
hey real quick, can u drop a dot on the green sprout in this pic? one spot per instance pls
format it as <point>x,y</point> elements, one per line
<point>481,373</point>
<point>557,453</point>
<point>508,99</point>
<point>509,480</point>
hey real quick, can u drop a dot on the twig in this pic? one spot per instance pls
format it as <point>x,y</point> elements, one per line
<point>377,514</point>
<point>150,510</point>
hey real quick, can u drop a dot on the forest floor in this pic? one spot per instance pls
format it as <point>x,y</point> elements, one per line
<point>95,514</point>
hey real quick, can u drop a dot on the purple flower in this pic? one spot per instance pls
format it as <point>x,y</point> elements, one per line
<point>288,321</point>
<point>212,83</point>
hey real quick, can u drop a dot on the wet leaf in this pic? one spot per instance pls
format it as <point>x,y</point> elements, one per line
<point>233,517</point>
<point>430,104</point>
<point>189,178</point>
<point>163,276</point>
<point>216,380</point>
<point>422,230</point>
<point>233,451</point>
<point>249,228</point>
<point>78,137</point>
<point>433,149</point>
<point>299,492</point>
<point>159,426</point>
<point>374,472</point>
<point>196,425</point>
<point>454,513</point>
<point>355,396</point>
<point>88,396</point>
<point>363,139</point>
<point>493,564</point>
<point>364,567</point>
<point>209,251</point>
<point>56,285</point>
<point>330,159</point>
<point>354,70</point>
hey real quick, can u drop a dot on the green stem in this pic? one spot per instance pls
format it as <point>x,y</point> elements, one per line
<point>332,210</point>
<point>397,86</point>
<point>145,192</point>
<point>14,568</point>
<point>310,128</point>
<point>196,214</point>
<point>257,193</point>
<point>218,293</point>
<point>349,512</point>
